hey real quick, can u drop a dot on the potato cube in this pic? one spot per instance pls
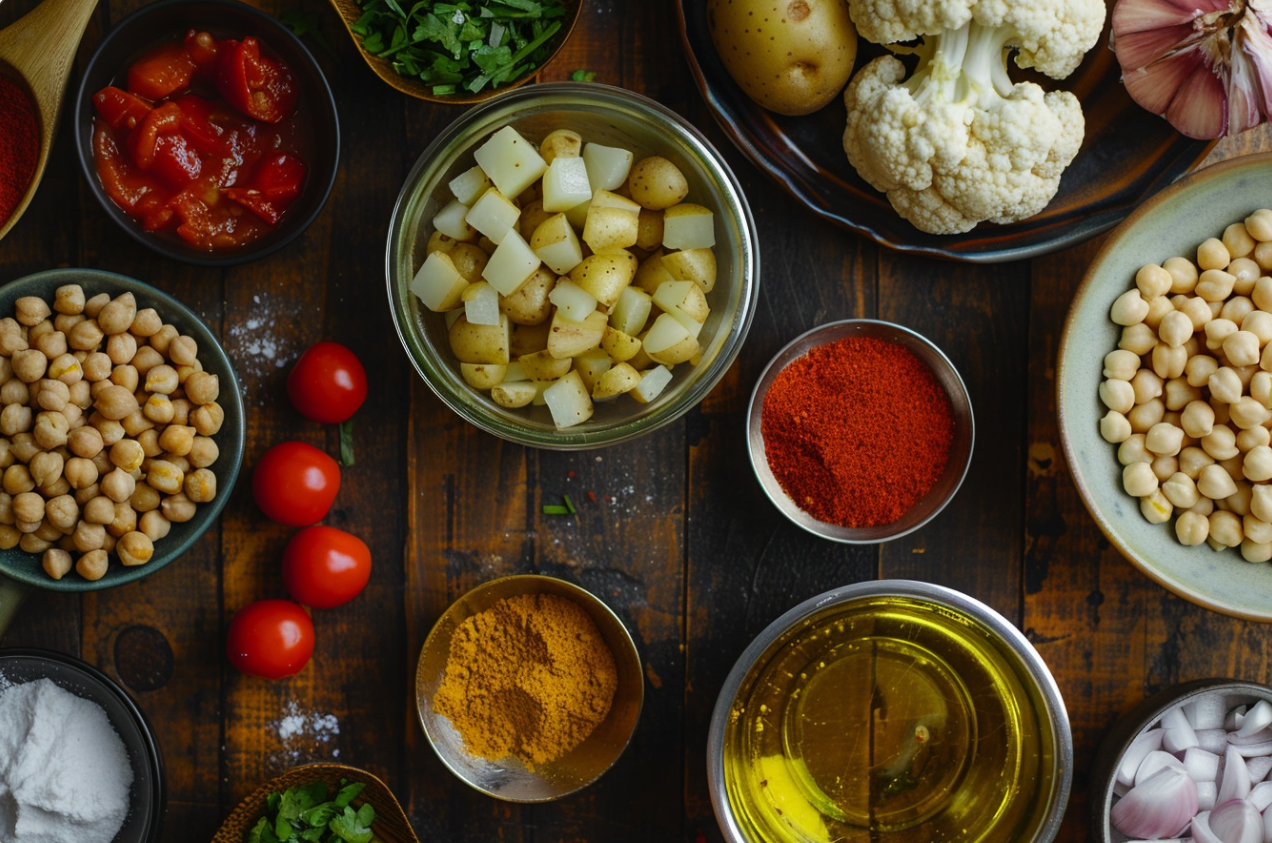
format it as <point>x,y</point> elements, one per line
<point>591,365</point>
<point>569,339</point>
<point>481,304</point>
<point>529,304</point>
<point>493,215</point>
<point>452,316</point>
<point>652,383</point>
<point>438,284</point>
<point>470,184</point>
<point>619,346</point>
<point>569,401</point>
<point>511,264</point>
<point>482,376</point>
<point>610,228</point>
<point>539,388</point>
<point>556,244</point>
<point>631,312</point>
<point>571,300</point>
<point>510,161</point>
<point>688,226</point>
<point>542,366</point>
<point>514,371</point>
<point>578,214</point>
<point>696,265</point>
<point>565,185</point>
<point>527,339</point>
<point>685,301</point>
<point>669,342</point>
<point>514,394</point>
<point>620,378</point>
<point>561,143</point>
<point>481,343</point>
<point>606,275</point>
<point>652,274</point>
<point>649,231</point>
<point>450,222</point>
<point>607,166</point>
<point>609,199</point>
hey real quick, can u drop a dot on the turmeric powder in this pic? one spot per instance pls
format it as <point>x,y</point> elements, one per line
<point>529,677</point>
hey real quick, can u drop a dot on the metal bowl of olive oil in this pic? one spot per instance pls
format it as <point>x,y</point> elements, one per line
<point>893,712</point>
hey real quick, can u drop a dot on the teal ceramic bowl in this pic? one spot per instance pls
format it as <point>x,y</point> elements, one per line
<point>1172,222</point>
<point>21,571</point>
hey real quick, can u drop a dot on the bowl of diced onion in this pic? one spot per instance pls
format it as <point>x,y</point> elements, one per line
<point>571,266</point>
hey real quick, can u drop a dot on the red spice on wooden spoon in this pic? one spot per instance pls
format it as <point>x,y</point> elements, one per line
<point>19,145</point>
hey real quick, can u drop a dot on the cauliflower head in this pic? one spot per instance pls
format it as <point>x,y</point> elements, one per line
<point>959,142</point>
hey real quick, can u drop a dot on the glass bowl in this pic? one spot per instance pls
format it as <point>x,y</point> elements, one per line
<point>611,116</point>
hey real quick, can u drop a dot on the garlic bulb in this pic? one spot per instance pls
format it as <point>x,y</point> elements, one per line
<point>1204,65</point>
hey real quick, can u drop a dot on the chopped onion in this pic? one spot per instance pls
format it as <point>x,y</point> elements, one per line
<point>1205,711</point>
<point>1160,806</point>
<point>1236,778</point>
<point>1244,738</point>
<point>1204,65</point>
<point>1259,717</point>
<point>1144,743</point>
<point>1259,768</point>
<point>1253,750</point>
<point>1261,796</point>
<point>1237,821</point>
<point>1154,762</point>
<point>1201,765</point>
<point>1234,719</point>
<point>1212,740</point>
<point>1207,795</point>
<point>1200,830</point>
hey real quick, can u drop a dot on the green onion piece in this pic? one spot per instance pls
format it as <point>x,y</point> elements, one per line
<point>442,90</point>
<point>552,509</point>
<point>346,442</point>
<point>569,504</point>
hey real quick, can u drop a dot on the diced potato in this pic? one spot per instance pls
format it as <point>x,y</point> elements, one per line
<point>556,244</point>
<point>607,166</point>
<point>469,259</point>
<point>652,383</point>
<point>568,338</point>
<point>619,346</point>
<point>649,229</point>
<point>481,343</point>
<point>481,304</point>
<point>688,226</point>
<point>609,199</point>
<point>565,185</point>
<point>685,301</point>
<point>532,216</point>
<point>696,265</point>
<point>610,228</point>
<point>562,143</point>
<point>569,401</point>
<point>513,394</point>
<point>452,316</point>
<point>470,184</point>
<point>657,183</point>
<point>539,388</point>
<point>482,376</point>
<point>542,366</point>
<point>527,339</point>
<point>511,264</point>
<point>510,161</point>
<point>606,275</point>
<point>438,242</point>
<point>529,305</point>
<point>591,365</point>
<point>578,214</point>
<point>438,284</point>
<point>493,215</point>
<point>652,274</point>
<point>631,311</point>
<point>514,371</point>
<point>640,361</point>
<point>571,300</point>
<point>615,381</point>
<point>669,342</point>
<point>450,221</point>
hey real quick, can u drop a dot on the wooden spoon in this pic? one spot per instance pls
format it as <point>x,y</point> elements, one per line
<point>391,824</point>
<point>39,50</point>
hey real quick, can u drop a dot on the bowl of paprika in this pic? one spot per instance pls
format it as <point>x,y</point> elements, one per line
<point>860,431</point>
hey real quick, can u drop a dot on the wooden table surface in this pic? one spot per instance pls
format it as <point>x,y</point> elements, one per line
<point>679,540</point>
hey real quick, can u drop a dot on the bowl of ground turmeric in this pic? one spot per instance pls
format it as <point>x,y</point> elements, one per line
<point>529,688</point>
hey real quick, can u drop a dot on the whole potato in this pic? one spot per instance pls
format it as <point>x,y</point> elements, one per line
<point>790,56</point>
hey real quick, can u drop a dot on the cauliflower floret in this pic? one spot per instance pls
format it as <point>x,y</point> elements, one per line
<point>894,21</point>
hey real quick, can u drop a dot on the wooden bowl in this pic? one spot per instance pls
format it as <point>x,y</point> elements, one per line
<point>350,11</point>
<point>391,824</point>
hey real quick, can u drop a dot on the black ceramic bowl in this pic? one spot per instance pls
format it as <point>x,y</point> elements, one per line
<point>148,799</point>
<point>150,25</point>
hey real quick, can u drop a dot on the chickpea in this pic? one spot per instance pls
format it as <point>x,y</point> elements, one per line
<point>1215,285</point>
<point>181,410</point>
<point>28,506</point>
<point>158,408</point>
<point>31,310</point>
<point>1132,450</point>
<point>149,442</point>
<point>100,510</point>
<point>207,420</point>
<point>86,494</point>
<point>1256,529</point>
<point>51,429</point>
<point>1220,443</point>
<point>154,525</point>
<point>6,453</point>
<point>125,376</point>
<point>1158,308</point>
<point>117,316</point>
<point>1129,308</point>
<point>1192,528</point>
<point>135,548</point>
<point>1138,339</point>
<point>1180,490</point>
<point>182,464</point>
<point>178,508</point>
<point>1153,281</point>
<point>46,469</point>
<point>1164,439</point>
<point>136,423</point>
<point>1261,502</point>
<point>1247,272</point>
<point>29,365</point>
<point>146,359</point>
<point>52,344</point>
<point>92,565</point>
<point>12,337</point>
<point>124,522</point>
<point>66,368</point>
<point>183,350</point>
<point>127,454</point>
<point>15,392</point>
<point>62,512</point>
<point>1138,479</point>
<point>88,536</point>
<point>1242,348</point>
<point>177,439</point>
<point>1179,394</point>
<point>200,485</point>
<point>1215,483</point>
<point>205,388</point>
<point>145,498</point>
<point>1212,254</point>
<point>1175,329</point>
<point>69,299</point>
<point>1196,309</point>
<point>1155,508</point>
<point>85,441</point>
<point>1169,362</point>
<point>85,336</point>
<point>81,394</point>
<point>1113,427</point>
<point>102,463</point>
<point>1247,413</point>
<point>165,477</point>
<point>94,305</point>
<point>1225,385</point>
<point>162,380</point>
<point>118,485</point>
<point>146,323</point>
<point>65,321</point>
<point>1253,437</point>
<point>1252,551</point>
<point>161,338</point>
<point>97,367</point>
<point>53,395</point>
<point>56,563</point>
<point>116,402</point>
<point>1163,467</point>
<point>32,543</point>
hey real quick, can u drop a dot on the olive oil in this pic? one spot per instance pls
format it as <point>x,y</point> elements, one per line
<point>889,720</point>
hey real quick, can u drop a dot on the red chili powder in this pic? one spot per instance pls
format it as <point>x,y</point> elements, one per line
<point>19,145</point>
<point>857,431</point>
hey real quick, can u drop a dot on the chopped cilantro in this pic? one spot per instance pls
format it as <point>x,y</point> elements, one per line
<point>583,76</point>
<point>304,815</point>
<point>465,45</point>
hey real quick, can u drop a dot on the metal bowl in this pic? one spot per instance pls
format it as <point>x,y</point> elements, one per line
<point>859,669</point>
<point>509,779</point>
<point>612,116</point>
<point>148,799</point>
<point>960,456</point>
<point>1122,734</point>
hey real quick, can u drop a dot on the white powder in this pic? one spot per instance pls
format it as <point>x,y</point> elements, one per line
<point>64,772</point>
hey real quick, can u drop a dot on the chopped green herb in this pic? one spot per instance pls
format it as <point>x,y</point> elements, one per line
<point>554,509</point>
<point>465,45</point>
<point>346,442</point>
<point>569,504</point>
<point>303,815</point>
<point>583,76</point>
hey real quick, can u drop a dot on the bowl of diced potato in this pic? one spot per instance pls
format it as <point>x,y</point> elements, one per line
<point>571,266</point>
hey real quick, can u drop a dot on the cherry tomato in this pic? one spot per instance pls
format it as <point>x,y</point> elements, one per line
<point>160,72</point>
<point>255,84</point>
<point>270,639</point>
<point>328,383</point>
<point>295,483</point>
<point>324,567</point>
<point>121,110</point>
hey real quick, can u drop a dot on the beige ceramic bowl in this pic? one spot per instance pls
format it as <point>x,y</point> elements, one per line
<point>510,779</point>
<point>1172,222</point>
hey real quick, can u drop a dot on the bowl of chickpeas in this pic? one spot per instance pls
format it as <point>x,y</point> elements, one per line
<point>121,431</point>
<point>571,266</point>
<point>1164,388</point>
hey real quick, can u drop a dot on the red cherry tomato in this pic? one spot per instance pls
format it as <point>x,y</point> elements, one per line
<point>328,383</point>
<point>324,567</point>
<point>295,483</point>
<point>161,72</point>
<point>255,84</point>
<point>121,110</point>
<point>270,639</point>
